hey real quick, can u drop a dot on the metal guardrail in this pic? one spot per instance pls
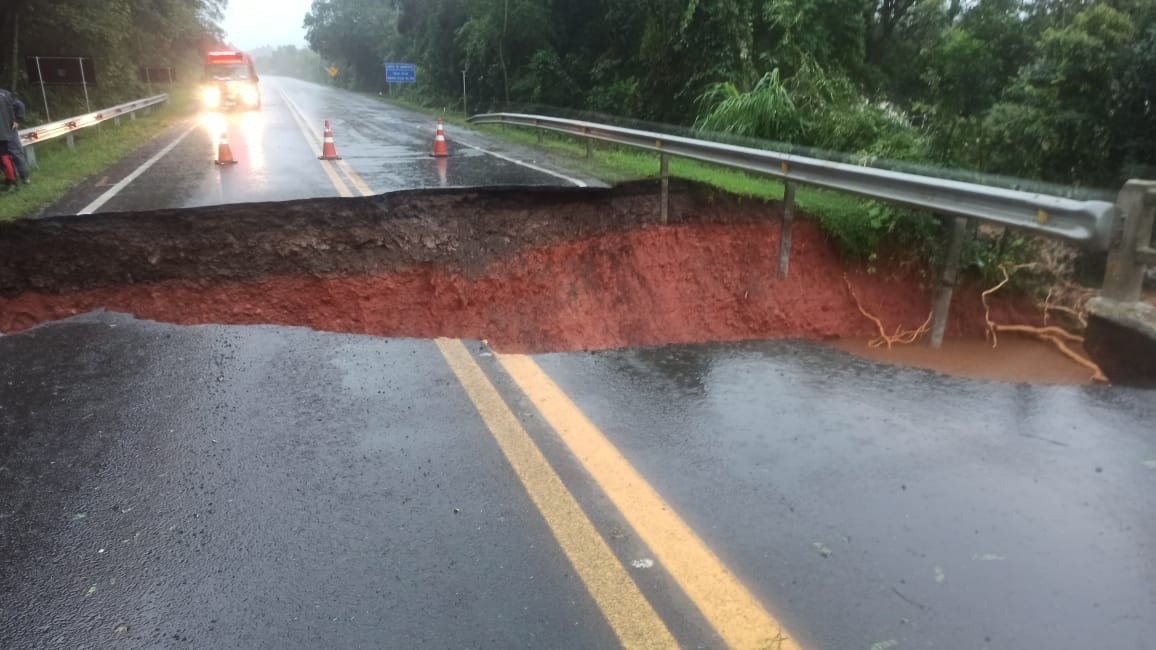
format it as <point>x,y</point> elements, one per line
<point>1087,223</point>
<point>1124,228</point>
<point>69,125</point>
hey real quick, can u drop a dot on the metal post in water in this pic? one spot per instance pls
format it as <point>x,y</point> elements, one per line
<point>1124,273</point>
<point>941,308</point>
<point>43,93</point>
<point>785,230</point>
<point>664,173</point>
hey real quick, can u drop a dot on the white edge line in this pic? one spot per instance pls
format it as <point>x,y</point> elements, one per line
<point>524,164</point>
<point>116,189</point>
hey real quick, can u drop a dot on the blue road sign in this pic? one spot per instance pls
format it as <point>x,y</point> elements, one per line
<point>400,73</point>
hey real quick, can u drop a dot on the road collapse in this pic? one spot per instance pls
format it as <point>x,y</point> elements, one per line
<point>528,269</point>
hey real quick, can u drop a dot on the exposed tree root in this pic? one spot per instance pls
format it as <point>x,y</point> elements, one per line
<point>1076,314</point>
<point>1051,334</point>
<point>1051,330</point>
<point>901,336</point>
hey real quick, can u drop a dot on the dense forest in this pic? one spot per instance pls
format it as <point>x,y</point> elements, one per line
<point>121,36</point>
<point>1055,90</point>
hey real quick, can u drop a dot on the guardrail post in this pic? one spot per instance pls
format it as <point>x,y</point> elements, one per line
<point>785,229</point>
<point>941,308</point>
<point>1131,230</point>
<point>132,116</point>
<point>664,173</point>
<point>71,142</point>
<point>589,144</point>
<point>116,120</point>
<point>30,156</point>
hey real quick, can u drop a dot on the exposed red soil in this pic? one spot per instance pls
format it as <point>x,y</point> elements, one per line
<point>653,285</point>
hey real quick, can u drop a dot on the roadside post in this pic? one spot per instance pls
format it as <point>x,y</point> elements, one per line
<point>465,107</point>
<point>43,93</point>
<point>786,229</point>
<point>941,308</point>
<point>664,173</point>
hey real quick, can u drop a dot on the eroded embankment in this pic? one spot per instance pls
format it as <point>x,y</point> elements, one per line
<point>527,269</point>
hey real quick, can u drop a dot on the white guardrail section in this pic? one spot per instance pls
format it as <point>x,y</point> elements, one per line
<point>69,125</point>
<point>1087,223</point>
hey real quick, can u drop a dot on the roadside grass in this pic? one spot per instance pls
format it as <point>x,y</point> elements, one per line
<point>847,219</point>
<point>97,149</point>
<point>864,231</point>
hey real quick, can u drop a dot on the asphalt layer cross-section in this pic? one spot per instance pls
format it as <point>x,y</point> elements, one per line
<point>269,487</point>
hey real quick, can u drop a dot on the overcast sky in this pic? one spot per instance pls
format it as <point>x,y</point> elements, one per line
<point>250,24</point>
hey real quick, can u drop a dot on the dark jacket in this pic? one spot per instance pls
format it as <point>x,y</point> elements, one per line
<point>11,110</point>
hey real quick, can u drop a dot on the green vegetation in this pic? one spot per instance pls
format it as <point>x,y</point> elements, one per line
<point>97,148</point>
<point>1055,95</point>
<point>1058,91</point>
<point>860,228</point>
<point>121,36</point>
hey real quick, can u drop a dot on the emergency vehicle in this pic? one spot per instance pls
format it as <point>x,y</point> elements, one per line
<point>230,82</point>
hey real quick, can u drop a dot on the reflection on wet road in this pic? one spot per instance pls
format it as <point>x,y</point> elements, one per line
<point>223,484</point>
<point>212,486</point>
<point>276,151</point>
<point>871,503</point>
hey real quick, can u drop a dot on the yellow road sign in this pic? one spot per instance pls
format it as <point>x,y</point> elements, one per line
<point>332,71</point>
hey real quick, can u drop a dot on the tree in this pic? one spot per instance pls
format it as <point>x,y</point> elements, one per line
<point>1056,122</point>
<point>117,34</point>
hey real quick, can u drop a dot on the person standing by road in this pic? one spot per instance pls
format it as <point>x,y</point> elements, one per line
<point>11,114</point>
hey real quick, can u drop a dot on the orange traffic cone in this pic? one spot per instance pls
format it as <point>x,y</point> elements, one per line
<point>328,150</point>
<point>224,152</point>
<point>440,150</point>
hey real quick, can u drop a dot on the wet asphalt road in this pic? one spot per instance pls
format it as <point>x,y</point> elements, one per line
<point>268,487</point>
<point>276,151</point>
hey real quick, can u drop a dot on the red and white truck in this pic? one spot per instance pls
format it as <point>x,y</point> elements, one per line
<point>231,82</point>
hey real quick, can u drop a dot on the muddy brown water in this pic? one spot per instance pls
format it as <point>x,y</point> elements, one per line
<point>1015,359</point>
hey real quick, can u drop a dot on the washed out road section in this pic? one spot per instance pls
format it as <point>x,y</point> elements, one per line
<point>593,266</point>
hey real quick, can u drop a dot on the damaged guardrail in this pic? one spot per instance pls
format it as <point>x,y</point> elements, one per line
<point>69,125</point>
<point>1093,225</point>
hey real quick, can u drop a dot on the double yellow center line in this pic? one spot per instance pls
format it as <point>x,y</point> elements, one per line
<point>731,610</point>
<point>330,166</point>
